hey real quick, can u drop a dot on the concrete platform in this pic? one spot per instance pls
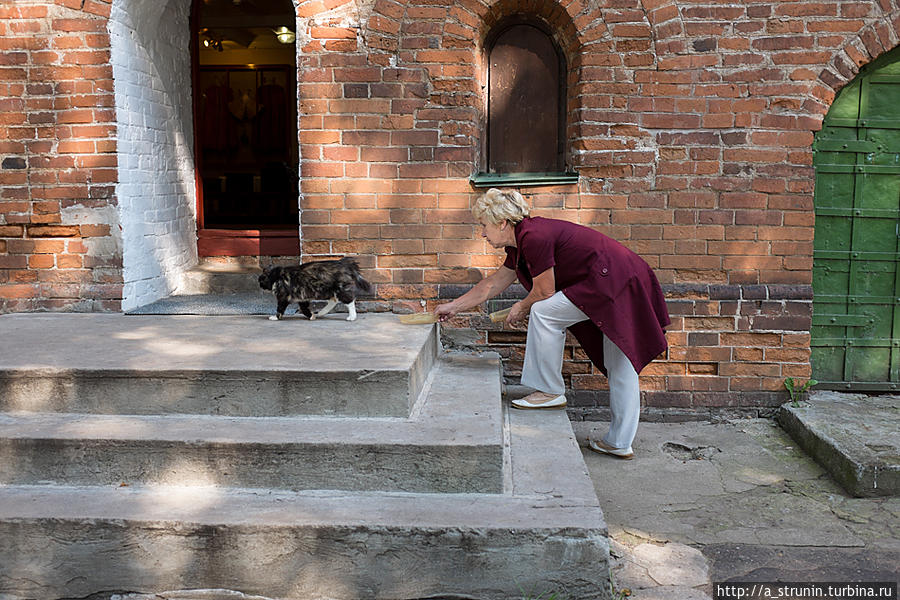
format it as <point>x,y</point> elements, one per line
<point>239,366</point>
<point>213,288</point>
<point>452,443</point>
<point>447,496</point>
<point>855,437</point>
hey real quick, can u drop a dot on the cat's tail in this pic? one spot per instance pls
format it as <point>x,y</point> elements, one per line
<point>361,284</point>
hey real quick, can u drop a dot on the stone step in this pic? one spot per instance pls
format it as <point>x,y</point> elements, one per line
<point>234,366</point>
<point>452,443</point>
<point>544,534</point>
<point>219,278</point>
<point>853,436</point>
<point>406,480</point>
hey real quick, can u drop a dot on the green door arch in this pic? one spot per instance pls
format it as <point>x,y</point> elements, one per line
<point>856,279</point>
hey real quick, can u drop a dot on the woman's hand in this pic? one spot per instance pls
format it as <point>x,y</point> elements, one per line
<point>444,311</point>
<point>516,314</point>
<point>485,289</point>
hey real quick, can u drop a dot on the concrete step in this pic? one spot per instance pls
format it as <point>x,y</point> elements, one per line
<point>233,366</point>
<point>853,436</point>
<point>220,278</point>
<point>451,443</point>
<point>544,534</point>
<point>291,460</point>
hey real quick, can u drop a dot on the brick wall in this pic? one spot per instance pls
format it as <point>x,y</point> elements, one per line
<point>690,124</point>
<point>730,349</point>
<point>59,247</point>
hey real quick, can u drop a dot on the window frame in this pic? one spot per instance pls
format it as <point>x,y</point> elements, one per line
<point>485,177</point>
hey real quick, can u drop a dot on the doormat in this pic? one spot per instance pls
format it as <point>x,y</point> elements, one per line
<point>238,303</point>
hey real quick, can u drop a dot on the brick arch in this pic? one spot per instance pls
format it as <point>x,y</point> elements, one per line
<point>871,42</point>
<point>559,21</point>
<point>573,25</point>
<point>456,36</point>
<point>667,26</point>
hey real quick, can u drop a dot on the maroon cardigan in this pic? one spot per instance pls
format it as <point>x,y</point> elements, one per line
<point>614,287</point>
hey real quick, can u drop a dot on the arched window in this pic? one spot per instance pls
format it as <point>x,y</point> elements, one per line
<point>245,96</point>
<point>526,104</point>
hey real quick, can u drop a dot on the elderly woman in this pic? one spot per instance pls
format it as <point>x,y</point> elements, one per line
<point>579,279</point>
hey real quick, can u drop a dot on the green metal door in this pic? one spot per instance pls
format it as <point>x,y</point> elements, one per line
<point>856,279</point>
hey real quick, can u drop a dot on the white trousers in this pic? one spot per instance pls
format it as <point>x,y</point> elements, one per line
<point>544,357</point>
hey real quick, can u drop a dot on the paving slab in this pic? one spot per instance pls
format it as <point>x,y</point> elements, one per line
<point>236,366</point>
<point>855,437</point>
<point>746,497</point>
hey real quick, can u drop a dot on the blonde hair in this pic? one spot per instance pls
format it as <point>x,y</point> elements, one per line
<point>496,206</point>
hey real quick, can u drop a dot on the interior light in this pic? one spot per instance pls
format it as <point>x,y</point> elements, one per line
<point>284,35</point>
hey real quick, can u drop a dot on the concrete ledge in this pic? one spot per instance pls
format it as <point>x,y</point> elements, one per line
<point>545,534</point>
<point>452,443</point>
<point>237,366</point>
<point>855,437</point>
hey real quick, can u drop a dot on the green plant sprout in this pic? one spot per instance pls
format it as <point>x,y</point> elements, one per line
<point>795,391</point>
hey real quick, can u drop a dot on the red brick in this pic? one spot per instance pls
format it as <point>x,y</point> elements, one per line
<point>11,231</point>
<point>18,290</point>
<point>332,32</point>
<point>69,261</point>
<point>53,231</point>
<point>423,170</point>
<point>360,216</point>
<point>94,230</point>
<point>41,261</point>
<point>407,261</point>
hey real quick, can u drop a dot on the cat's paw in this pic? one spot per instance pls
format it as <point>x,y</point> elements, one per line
<point>351,318</point>
<point>273,318</point>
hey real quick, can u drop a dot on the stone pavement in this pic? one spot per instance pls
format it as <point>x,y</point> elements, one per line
<point>733,501</point>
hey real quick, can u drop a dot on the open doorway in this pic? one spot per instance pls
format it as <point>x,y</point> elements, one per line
<point>245,106</point>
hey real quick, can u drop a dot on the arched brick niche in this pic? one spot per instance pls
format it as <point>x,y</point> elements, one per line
<point>150,57</point>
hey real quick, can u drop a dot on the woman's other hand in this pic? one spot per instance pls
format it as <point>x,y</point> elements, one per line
<point>444,311</point>
<point>516,314</point>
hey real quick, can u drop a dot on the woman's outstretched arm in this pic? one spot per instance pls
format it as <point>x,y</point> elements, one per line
<point>484,290</point>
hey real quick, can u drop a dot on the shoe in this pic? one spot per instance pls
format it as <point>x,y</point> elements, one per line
<point>531,401</point>
<point>603,448</point>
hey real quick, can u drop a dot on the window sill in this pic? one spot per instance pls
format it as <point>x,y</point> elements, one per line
<point>480,180</point>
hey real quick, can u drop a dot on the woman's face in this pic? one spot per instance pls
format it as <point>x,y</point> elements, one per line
<point>497,235</point>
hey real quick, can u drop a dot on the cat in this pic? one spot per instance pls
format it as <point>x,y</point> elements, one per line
<point>331,280</point>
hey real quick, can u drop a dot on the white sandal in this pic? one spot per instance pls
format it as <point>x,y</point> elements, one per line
<point>603,448</point>
<point>553,402</point>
